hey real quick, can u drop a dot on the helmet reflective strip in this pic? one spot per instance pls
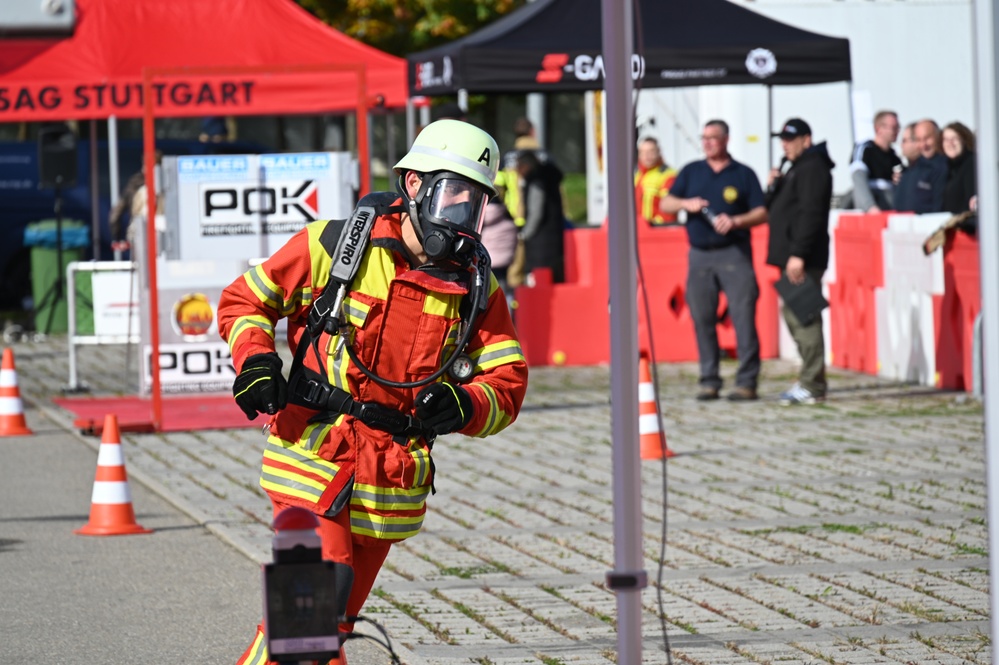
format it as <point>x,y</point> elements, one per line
<point>452,157</point>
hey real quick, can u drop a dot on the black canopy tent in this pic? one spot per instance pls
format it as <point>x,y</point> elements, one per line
<point>555,46</point>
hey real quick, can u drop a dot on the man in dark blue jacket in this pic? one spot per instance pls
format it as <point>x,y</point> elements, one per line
<point>798,200</point>
<point>921,188</point>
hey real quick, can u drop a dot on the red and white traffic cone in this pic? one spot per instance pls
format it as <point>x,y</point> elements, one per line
<point>12,421</point>
<point>111,511</point>
<point>652,445</point>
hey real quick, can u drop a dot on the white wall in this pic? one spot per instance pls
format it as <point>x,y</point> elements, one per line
<point>911,56</point>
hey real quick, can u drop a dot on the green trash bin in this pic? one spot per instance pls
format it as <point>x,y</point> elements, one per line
<point>51,302</point>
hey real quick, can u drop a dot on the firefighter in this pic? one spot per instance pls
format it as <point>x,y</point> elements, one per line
<point>352,427</point>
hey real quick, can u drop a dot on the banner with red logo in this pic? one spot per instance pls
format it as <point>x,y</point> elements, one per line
<point>247,206</point>
<point>556,46</point>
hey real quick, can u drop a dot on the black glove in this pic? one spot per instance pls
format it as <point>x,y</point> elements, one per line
<point>260,386</point>
<point>443,407</point>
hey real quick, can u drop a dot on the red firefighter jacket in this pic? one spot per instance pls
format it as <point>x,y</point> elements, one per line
<point>404,323</point>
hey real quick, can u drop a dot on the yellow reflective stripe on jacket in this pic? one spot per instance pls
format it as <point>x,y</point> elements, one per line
<point>295,471</point>
<point>376,271</point>
<point>421,474</point>
<point>273,295</point>
<point>498,419</point>
<point>320,261</point>
<point>355,311</point>
<point>313,435</point>
<point>442,304</point>
<point>493,355</point>
<point>245,323</point>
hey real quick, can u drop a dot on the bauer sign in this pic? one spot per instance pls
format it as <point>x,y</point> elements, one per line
<point>247,206</point>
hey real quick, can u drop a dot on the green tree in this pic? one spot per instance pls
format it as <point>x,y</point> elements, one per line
<point>401,27</point>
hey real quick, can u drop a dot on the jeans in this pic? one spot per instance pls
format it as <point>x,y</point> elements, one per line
<point>729,270</point>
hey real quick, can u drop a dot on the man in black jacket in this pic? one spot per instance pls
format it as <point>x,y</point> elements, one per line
<point>798,199</point>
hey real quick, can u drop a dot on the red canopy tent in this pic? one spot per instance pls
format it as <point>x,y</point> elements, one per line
<point>183,58</point>
<point>97,72</point>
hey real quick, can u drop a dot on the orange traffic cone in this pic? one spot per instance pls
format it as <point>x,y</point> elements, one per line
<point>651,446</point>
<point>12,421</point>
<point>111,511</point>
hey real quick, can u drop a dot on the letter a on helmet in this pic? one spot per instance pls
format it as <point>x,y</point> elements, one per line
<point>455,146</point>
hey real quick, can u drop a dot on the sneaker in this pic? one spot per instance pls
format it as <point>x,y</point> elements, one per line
<point>742,394</point>
<point>706,394</point>
<point>798,394</point>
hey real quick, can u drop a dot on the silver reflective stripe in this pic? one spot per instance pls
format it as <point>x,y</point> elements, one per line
<point>290,484</point>
<point>512,352</point>
<point>316,433</point>
<point>301,459</point>
<point>381,527</point>
<point>266,290</point>
<point>386,500</point>
<point>420,474</point>
<point>452,157</point>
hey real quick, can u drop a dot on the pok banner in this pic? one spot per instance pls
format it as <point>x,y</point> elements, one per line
<point>193,358</point>
<point>247,206</point>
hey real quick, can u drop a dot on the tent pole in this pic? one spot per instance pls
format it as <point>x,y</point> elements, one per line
<point>149,162</point>
<point>536,114</point>
<point>770,126</point>
<point>95,195</point>
<point>850,115</point>
<point>628,577</point>
<point>410,121</point>
<point>113,159</point>
<point>987,114</point>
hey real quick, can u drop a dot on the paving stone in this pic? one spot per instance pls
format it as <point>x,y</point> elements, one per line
<point>852,532</point>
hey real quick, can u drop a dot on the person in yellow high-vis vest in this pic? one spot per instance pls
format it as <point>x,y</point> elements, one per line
<point>653,178</point>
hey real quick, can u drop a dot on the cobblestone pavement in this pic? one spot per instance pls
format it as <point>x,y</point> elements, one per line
<point>851,532</point>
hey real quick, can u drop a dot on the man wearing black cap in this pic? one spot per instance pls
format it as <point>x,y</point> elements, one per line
<point>723,200</point>
<point>799,195</point>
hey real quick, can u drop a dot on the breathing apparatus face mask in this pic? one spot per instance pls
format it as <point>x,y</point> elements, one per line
<point>449,212</point>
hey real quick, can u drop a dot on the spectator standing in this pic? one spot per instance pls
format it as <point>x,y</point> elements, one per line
<point>499,237</point>
<point>353,445</point>
<point>510,186</point>
<point>874,165</point>
<point>798,204</point>
<point>910,147</point>
<point>921,188</point>
<point>653,179</point>
<point>723,200</point>
<point>961,186</point>
<point>544,223</point>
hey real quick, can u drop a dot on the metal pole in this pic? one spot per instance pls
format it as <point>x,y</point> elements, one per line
<point>536,114</point>
<point>113,159</point>
<point>71,325</point>
<point>95,196</point>
<point>770,126</point>
<point>986,22</point>
<point>149,159</point>
<point>628,578</point>
<point>410,121</point>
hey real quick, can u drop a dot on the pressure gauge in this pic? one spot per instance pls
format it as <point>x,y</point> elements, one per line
<point>461,368</point>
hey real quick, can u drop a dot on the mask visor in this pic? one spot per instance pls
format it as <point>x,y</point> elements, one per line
<point>458,204</point>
